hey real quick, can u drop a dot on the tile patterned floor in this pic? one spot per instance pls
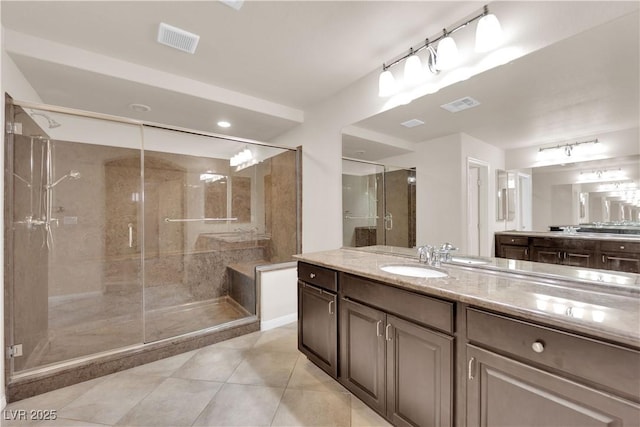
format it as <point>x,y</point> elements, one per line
<point>258,379</point>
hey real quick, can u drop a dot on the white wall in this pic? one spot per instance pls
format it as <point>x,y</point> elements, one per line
<point>278,295</point>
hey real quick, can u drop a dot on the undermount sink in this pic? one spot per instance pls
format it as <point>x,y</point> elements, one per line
<point>412,270</point>
<point>468,261</point>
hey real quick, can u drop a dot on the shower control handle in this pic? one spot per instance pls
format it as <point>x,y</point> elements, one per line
<point>130,225</point>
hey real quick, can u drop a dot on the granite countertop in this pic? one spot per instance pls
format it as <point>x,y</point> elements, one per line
<point>589,307</point>
<point>581,235</point>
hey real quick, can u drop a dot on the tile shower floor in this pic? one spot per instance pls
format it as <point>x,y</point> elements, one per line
<point>258,379</point>
<point>91,324</point>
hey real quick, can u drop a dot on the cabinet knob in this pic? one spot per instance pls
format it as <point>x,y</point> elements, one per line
<point>513,240</point>
<point>312,275</point>
<point>538,346</point>
<point>622,247</point>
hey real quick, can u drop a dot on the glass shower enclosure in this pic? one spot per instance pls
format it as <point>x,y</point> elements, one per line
<point>120,234</point>
<point>379,204</point>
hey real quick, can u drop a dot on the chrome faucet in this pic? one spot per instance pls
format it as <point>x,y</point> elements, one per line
<point>434,256</point>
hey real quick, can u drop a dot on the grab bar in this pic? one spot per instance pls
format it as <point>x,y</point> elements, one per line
<point>198,219</point>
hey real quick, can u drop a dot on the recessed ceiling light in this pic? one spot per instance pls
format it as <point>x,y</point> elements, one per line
<point>141,108</point>
<point>224,124</point>
<point>412,123</point>
<point>460,104</point>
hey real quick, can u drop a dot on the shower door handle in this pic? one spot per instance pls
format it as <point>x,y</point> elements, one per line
<point>130,225</point>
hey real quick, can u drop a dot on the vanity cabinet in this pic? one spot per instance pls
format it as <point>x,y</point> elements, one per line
<point>512,247</point>
<point>392,361</point>
<point>576,253</point>
<point>523,374</point>
<point>619,256</point>
<point>608,254</point>
<point>317,316</point>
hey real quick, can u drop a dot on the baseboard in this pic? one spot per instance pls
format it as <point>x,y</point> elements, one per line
<point>265,325</point>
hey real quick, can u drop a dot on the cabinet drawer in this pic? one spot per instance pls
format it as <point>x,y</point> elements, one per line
<point>425,310</point>
<point>615,367</point>
<point>625,247</point>
<point>513,240</point>
<point>319,276</point>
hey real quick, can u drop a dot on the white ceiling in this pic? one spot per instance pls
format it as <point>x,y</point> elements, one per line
<point>294,53</point>
<point>297,53</point>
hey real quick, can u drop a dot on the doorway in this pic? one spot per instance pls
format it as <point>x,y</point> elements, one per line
<point>477,233</point>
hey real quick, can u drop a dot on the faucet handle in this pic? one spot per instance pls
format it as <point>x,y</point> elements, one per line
<point>425,253</point>
<point>448,247</point>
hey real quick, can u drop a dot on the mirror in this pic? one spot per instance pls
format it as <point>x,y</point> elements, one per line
<point>219,189</point>
<point>555,95</point>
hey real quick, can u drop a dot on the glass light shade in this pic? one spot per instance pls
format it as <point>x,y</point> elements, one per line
<point>386,84</point>
<point>447,56</point>
<point>488,33</point>
<point>412,71</point>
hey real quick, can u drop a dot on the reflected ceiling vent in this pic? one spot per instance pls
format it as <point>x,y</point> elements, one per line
<point>412,123</point>
<point>460,104</point>
<point>177,38</point>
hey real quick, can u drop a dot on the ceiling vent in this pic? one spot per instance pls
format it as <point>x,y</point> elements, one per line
<point>460,104</point>
<point>177,38</point>
<point>412,123</point>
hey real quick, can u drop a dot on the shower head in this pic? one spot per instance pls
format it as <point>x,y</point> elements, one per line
<point>72,174</point>
<point>51,122</point>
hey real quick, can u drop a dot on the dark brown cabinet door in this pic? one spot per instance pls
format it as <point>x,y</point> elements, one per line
<point>629,263</point>
<point>504,392</point>
<point>318,327</point>
<point>515,252</point>
<point>419,375</point>
<point>546,255</point>
<point>578,259</point>
<point>362,353</point>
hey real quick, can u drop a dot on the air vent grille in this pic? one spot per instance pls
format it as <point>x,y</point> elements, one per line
<point>461,104</point>
<point>177,38</point>
<point>412,123</point>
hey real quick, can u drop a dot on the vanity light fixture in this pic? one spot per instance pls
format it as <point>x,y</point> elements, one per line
<point>488,36</point>
<point>602,175</point>
<point>568,148</point>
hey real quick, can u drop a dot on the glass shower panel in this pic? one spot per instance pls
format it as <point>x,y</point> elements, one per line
<point>399,208</point>
<point>209,221</point>
<point>72,223</point>
<point>362,200</point>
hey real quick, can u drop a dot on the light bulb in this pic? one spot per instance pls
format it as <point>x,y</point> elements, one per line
<point>412,71</point>
<point>488,33</point>
<point>447,56</point>
<point>386,84</point>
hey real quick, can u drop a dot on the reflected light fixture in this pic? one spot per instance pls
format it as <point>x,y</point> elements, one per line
<point>224,124</point>
<point>488,36</point>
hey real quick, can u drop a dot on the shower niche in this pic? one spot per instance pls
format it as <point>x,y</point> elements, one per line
<point>115,249</point>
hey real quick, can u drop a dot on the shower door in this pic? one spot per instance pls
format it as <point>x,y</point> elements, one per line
<point>399,208</point>
<point>72,223</point>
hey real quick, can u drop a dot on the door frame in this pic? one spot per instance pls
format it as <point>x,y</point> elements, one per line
<point>483,205</point>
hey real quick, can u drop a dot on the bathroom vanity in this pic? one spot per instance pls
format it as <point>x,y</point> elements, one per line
<point>486,345</point>
<point>620,252</point>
